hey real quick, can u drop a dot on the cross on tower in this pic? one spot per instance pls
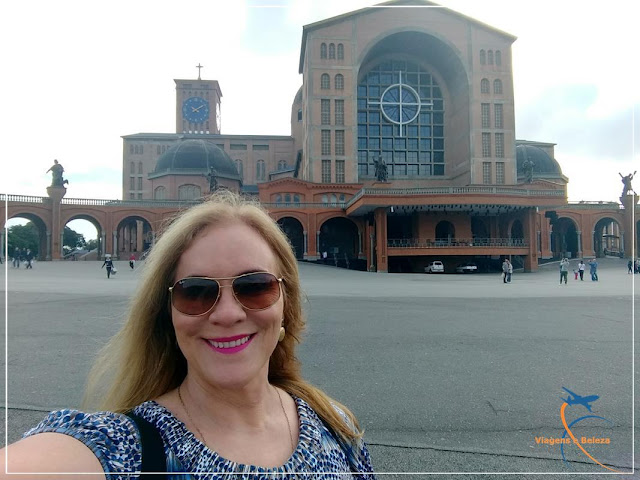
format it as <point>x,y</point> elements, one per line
<point>199,67</point>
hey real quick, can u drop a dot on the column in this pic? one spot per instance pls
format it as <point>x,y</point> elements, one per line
<point>372,249</point>
<point>359,244</point>
<point>61,244</point>
<point>48,257</point>
<point>318,244</point>
<point>114,253</point>
<point>305,255</point>
<point>139,236</point>
<point>622,249</point>
<point>381,240</point>
<point>579,234</point>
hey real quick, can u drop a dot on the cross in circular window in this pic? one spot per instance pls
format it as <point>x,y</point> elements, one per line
<point>400,103</point>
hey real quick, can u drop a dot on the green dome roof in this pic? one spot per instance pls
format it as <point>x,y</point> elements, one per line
<point>543,164</point>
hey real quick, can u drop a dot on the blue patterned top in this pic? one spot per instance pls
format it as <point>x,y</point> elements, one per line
<point>115,441</point>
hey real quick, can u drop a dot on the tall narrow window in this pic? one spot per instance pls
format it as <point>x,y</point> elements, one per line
<point>140,168</point>
<point>131,149</point>
<point>497,110</point>
<point>498,57</point>
<point>323,50</point>
<point>486,144</point>
<point>500,173</point>
<point>282,164</point>
<point>340,51</point>
<point>332,51</point>
<point>485,115</point>
<point>326,142</point>
<point>490,57</point>
<point>132,183</point>
<point>497,86</point>
<point>324,81</point>
<point>339,80</point>
<point>339,171</point>
<point>325,111</point>
<point>339,112</point>
<point>339,142</point>
<point>239,169</point>
<point>300,115</point>
<point>500,145</point>
<point>483,58</point>
<point>133,168</point>
<point>160,193</point>
<point>139,183</point>
<point>484,86</point>
<point>326,171</point>
<point>260,173</point>
<point>486,172</point>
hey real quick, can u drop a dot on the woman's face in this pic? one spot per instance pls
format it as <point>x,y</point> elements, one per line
<point>212,342</point>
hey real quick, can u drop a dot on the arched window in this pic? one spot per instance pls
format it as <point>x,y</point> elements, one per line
<point>342,197</point>
<point>498,57</point>
<point>131,149</point>
<point>239,168</point>
<point>339,80</point>
<point>497,86</point>
<point>133,167</point>
<point>325,81</point>
<point>140,168</point>
<point>278,199</point>
<point>160,193</point>
<point>296,199</point>
<point>332,51</point>
<point>325,199</point>
<point>287,198</point>
<point>483,58</point>
<point>340,51</point>
<point>260,173</point>
<point>323,50</point>
<point>490,57</point>
<point>189,192</point>
<point>334,198</point>
<point>282,164</point>
<point>484,86</point>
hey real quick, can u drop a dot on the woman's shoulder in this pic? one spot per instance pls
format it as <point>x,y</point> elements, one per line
<point>112,437</point>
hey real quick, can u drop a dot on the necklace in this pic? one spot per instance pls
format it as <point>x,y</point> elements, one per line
<point>204,440</point>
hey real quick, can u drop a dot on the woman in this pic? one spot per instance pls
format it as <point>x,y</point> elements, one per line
<point>109,263</point>
<point>207,355</point>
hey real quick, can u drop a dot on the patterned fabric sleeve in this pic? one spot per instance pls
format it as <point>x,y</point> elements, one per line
<point>111,437</point>
<point>359,451</point>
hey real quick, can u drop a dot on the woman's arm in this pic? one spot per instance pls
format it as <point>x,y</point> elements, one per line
<point>49,452</point>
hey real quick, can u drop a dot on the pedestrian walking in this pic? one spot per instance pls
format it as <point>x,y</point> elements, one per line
<point>509,270</point>
<point>28,259</point>
<point>630,267</point>
<point>581,267</point>
<point>593,269</point>
<point>109,263</point>
<point>16,257</point>
<point>564,270</point>
<point>132,261</point>
<point>505,270</point>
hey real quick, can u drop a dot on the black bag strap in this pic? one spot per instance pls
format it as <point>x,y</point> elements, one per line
<point>153,456</point>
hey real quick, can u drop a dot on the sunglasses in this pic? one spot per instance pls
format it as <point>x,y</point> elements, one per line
<point>198,295</point>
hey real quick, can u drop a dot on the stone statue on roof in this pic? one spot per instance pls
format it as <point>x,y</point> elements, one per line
<point>380,169</point>
<point>56,175</point>
<point>626,181</point>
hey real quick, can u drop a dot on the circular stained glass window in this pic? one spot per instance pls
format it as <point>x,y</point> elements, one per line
<point>400,104</point>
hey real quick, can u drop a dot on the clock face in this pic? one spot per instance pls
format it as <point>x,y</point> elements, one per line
<point>195,109</point>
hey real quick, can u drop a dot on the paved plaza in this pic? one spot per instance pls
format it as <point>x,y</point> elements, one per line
<point>447,373</point>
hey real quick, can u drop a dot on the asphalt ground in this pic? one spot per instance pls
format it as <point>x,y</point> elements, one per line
<point>448,374</point>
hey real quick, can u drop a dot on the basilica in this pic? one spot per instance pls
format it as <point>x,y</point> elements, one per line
<point>403,149</point>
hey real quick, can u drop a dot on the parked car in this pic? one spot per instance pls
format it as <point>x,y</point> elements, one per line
<point>468,267</point>
<point>434,267</point>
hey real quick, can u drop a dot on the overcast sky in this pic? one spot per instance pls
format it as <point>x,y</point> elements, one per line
<point>78,75</point>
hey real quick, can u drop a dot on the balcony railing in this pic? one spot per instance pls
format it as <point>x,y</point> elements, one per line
<point>455,242</point>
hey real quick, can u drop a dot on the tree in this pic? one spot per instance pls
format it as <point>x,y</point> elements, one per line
<point>24,236</point>
<point>72,239</point>
<point>92,244</point>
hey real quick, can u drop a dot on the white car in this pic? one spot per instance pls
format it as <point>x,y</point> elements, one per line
<point>467,268</point>
<point>434,267</point>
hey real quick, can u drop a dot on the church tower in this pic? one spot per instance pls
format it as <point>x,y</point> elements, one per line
<point>198,106</point>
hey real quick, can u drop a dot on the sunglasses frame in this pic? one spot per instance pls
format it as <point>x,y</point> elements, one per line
<point>220,287</point>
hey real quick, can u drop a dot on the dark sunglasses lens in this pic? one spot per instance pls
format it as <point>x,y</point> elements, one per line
<point>257,290</point>
<point>194,296</point>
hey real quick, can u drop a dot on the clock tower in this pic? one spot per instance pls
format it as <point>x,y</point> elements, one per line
<point>198,106</point>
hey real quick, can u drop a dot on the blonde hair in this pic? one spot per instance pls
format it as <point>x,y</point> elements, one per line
<point>143,361</point>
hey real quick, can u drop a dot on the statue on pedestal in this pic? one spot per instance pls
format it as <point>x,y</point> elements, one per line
<point>527,169</point>
<point>380,169</point>
<point>626,181</point>
<point>212,176</point>
<point>56,175</point>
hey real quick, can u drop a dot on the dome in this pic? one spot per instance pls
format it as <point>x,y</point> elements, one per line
<point>543,164</point>
<point>198,155</point>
